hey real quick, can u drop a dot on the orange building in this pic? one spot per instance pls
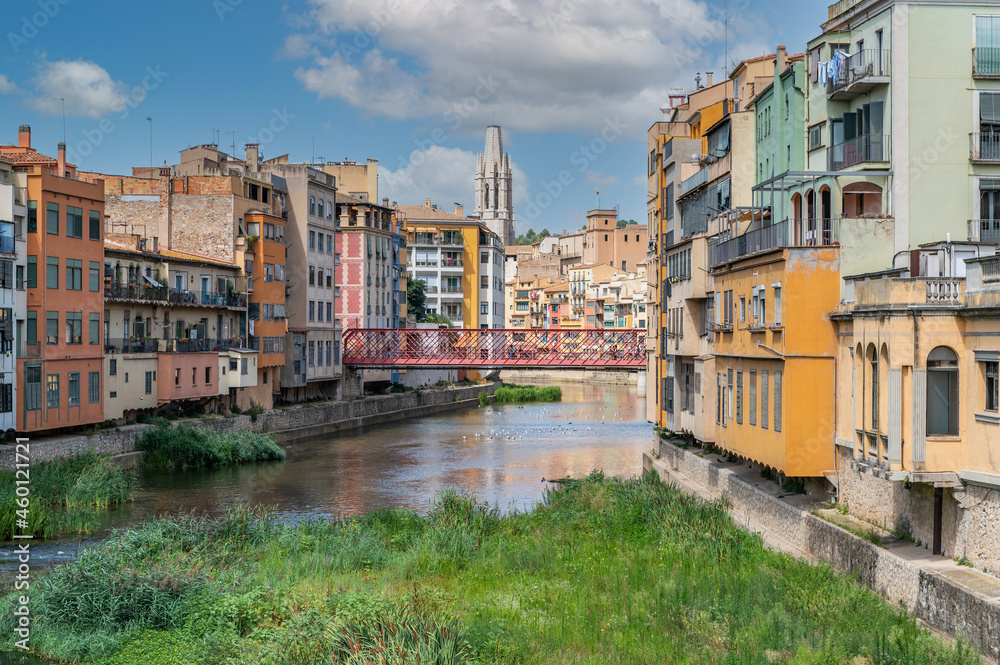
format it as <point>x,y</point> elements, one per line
<point>263,252</point>
<point>60,350</point>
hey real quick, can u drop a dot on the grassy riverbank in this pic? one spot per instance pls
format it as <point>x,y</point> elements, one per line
<point>66,495</point>
<point>512,393</point>
<point>604,571</point>
<point>187,447</point>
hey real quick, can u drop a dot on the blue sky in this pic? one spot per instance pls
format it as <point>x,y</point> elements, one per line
<point>574,83</point>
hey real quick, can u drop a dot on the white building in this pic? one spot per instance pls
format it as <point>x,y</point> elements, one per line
<point>13,210</point>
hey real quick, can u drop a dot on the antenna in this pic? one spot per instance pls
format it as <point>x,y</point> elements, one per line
<point>63,100</point>
<point>150,119</point>
<point>725,19</point>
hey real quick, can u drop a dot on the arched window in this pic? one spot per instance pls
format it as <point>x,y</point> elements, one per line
<point>496,198</point>
<point>319,208</point>
<point>486,196</point>
<point>942,391</point>
<point>872,358</point>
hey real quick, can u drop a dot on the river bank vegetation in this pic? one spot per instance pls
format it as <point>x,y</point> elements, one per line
<point>512,393</point>
<point>65,495</point>
<point>188,447</point>
<point>602,571</point>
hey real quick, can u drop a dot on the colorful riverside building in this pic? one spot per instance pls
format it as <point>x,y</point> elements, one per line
<point>172,323</point>
<point>60,351</point>
<point>371,293</point>
<point>462,262</point>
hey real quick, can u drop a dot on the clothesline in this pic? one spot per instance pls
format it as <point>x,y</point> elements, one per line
<point>829,70</point>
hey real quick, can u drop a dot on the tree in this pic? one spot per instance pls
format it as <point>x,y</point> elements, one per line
<point>544,234</point>
<point>416,298</point>
<point>622,223</point>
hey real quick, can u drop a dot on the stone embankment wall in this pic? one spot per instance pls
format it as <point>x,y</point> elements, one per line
<point>940,601</point>
<point>286,423</point>
<point>570,375</point>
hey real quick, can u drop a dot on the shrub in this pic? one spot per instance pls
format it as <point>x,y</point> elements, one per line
<point>192,447</point>
<point>514,393</point>
<point>484,399</point>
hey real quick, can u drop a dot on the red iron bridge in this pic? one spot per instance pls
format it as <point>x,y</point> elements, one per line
<point>532,349</point>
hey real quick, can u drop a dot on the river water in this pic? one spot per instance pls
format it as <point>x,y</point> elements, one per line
<point>500,453</point>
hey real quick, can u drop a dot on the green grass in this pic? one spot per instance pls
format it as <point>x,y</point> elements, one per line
<point>66,495</point>
<point>188,447</point>
<point>512,393</point>
<point>604,571</point>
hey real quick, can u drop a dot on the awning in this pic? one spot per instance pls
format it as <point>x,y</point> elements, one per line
<point>152,281</point>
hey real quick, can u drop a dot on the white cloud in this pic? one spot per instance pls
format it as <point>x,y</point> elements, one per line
<point>6,85</point>
<point>541,65</point>
<point>87,87</point>
<point>601,178</point>
<point>443,175</point>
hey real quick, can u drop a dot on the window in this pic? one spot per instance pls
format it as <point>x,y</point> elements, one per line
<point>208,375</point>
<point>873,360</point>
<point>329,278</point>
<point>484,308</point>
<point>6,398</point>
<point>33,387</point>
<point>329,311</point>
<point>52,219</point>
<point>74,222</point>
<point>312,310</point>
<point>729,394</point>
<point>777,305</point>
<point>319,236</point>
<point>312,240</point>
<point>312,353</point>
<point>484,282</point>
<point>94,276</point>
<point>112,367</point>
<point>33,272</point>
<point>33,220</point>
<point>93,387</point>
<point>991,369</point>
<point>942,392</point>
<point>484,257</point>
<point>816,136</point>
<point>987,44</point>
<point>718,397</point>
<point>52,391</point>
<point>743,309</point>
<point>268,272</point>
<point>94,328</point>
<point>312,275</point>
<point>51,327</point>
<point>74,274</point>
<point>177,376</point>
<point>312,211</point>
<point>74,328</point>
<point>329,242</point>
<point>149,383</point>
<point>51,272</point>
<point>753,397</point>
<point>74,389</point>
<point>763,399</point>
<point>777,402</point>
<point>95,225</point>
<point>739,397</point>
<point>194,376</point>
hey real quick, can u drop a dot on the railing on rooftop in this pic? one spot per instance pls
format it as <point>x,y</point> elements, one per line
<point>944,290</point>
<point>149,292</point>
<point>134,345</point>
<point>860,149</point>
<point>989,268</point>
<point>984,146</point>
<point>751,242</point>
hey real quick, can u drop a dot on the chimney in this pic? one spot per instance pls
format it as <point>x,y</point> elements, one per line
<point>460,210</point>
<point>427,203</point>
<point>253,157</point>
<point>708,79</point>
<point>61,169</point>
<point>781,56</point>
<point>385,201</point>
<point>24,136</point>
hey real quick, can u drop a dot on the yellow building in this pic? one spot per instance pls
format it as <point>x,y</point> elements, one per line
<point>462,263</point>
<point>919,411</point>
<point>775,351</point>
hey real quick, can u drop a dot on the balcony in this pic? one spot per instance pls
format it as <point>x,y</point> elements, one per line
<point>984,230</point>
<point>984,147</point>
<point>135,345</point>
<point>816,232</point>
<point>425,263</point>
<point>21,196</point>
<point>6,244</point>
<point>451,289</point>
<point>451,263</point>
<point>149,293</point>
<point>751,242</point>
<point>861,72</point>
<point>861,149</point>
<point>986,62</point>
<point>431,289</point>
<point>698,179</point>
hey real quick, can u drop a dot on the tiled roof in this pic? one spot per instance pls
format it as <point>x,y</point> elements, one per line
<point>423,213</point>
<point>21,157</point>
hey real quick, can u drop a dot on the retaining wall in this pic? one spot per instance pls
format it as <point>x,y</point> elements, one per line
<point>933,598</point>
<point>286,424</point>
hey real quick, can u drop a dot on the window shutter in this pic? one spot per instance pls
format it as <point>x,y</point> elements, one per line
<point>739,397</point>
<point>777,401</point>
<point>763,399</point>
<point>753,397</point>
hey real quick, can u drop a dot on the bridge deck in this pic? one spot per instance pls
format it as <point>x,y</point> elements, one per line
<point>453,348</point>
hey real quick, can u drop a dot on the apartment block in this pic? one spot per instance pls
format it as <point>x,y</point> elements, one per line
<point>13,262</point>
<point>462,262</point>
<point>372,290</point>
<point>58,358</point>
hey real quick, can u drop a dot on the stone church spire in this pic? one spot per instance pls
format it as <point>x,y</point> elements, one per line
<point>494,188</point>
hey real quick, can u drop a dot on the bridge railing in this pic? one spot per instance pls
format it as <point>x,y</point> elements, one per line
<point>595,349</point>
